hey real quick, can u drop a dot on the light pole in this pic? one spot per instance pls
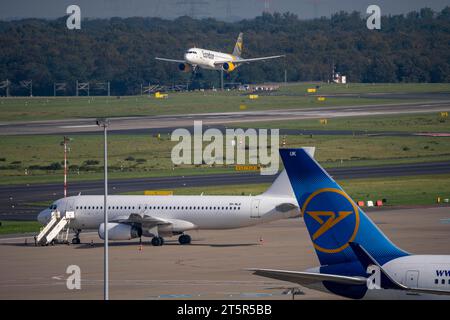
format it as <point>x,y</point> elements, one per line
<point>104,123</point>
<point>64,144</point>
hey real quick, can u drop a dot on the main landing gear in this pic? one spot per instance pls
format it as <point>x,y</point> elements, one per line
<point>76,239</point>
<point>157,241</point>
<point>184,239</point>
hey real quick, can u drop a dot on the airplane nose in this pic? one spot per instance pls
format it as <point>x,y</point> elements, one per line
<point>43,216</point>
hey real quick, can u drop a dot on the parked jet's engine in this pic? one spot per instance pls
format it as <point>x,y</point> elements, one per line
<point>228,66</point>
<point>184,67</point>
<point>119,231</point>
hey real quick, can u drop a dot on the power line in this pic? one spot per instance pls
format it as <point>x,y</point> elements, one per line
<point>194,8</point>
<point>228,9</point>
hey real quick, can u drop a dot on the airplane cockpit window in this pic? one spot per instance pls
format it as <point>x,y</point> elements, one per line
<point>52,207</point>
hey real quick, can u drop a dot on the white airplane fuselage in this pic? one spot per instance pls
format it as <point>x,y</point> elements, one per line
<point>207,59</point>
<point>203,212</point>
<point>414,271</point>
<point>132,216</point>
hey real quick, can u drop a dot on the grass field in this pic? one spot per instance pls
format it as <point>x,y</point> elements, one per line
<point>31,109</point>
<point>414,190</point>
<point>12,227</point>
<point>426,122</point>
<point>292,96</point>
<point>370,88</point>
<point>34,159</point>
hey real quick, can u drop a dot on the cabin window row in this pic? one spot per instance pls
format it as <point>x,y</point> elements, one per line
<point>159,208</point>
<point>436,281</point>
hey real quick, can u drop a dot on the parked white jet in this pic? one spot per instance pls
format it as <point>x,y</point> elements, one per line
<point>357,260</point>
<point>165,216</point>
<point>213,60</point>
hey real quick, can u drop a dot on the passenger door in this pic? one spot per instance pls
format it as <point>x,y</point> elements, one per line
<point>412,278</point>
<point>255,209</point>
<point>69,205</point>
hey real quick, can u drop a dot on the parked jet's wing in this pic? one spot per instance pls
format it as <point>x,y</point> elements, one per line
<point>304,278</point>
<point>148,222</point>
<point>170,60</point>
<point>144,221</point>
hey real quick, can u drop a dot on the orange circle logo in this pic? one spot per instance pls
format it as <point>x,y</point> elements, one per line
<point>332,219</point>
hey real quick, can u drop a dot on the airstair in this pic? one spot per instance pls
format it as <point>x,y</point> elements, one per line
<point>57,229</point>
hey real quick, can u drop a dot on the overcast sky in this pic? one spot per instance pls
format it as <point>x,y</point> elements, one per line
<point>221,9</point>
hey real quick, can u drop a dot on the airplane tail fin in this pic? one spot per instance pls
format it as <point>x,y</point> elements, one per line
<point>332,218</point>
<point>281,187</point>
<point>238,46</point>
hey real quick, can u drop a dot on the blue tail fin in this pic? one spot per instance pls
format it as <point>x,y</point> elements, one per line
<point>331,216</point>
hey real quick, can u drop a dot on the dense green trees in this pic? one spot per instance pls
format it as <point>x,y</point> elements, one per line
<point>409,48</point>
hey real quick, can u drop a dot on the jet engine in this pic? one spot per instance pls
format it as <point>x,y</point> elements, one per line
<point>228,66</point>
<point>184,67</point>
<point>119,231</point>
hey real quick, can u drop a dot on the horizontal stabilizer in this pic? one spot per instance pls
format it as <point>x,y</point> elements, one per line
<point>304,278</point>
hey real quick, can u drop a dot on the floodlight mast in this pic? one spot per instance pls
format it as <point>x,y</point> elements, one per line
<point>104,123</point>
<point>64,143</point>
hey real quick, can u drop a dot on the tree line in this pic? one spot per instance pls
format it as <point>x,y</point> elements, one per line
<point>413,47</point>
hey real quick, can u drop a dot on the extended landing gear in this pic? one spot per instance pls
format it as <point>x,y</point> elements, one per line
<point>77,240</point>
<point>157,241</point>
<point>184,239</point>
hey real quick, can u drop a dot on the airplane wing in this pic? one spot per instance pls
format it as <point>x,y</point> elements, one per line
<point>148,222</point>
<point>170,60</point>
<point>304,278</point>
<point>144,221</point>
<point>257,59</point>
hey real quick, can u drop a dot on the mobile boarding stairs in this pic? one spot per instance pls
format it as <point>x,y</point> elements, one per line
<point>56,230</point>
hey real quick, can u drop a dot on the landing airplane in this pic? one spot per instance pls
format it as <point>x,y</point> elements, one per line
<point>213,60</point>
<point>166,216</point>
<point>357,260</point>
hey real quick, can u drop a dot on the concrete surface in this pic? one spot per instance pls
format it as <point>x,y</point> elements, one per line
<point>210,268</point>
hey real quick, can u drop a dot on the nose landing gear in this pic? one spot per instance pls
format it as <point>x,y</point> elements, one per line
<point>76,239</point>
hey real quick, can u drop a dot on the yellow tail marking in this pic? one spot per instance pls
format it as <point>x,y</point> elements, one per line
<point>331,221</point>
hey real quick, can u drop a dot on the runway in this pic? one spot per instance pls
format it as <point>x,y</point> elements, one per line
<point>212,267</point>
<point>223,118</point>
<point>13,198</point>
